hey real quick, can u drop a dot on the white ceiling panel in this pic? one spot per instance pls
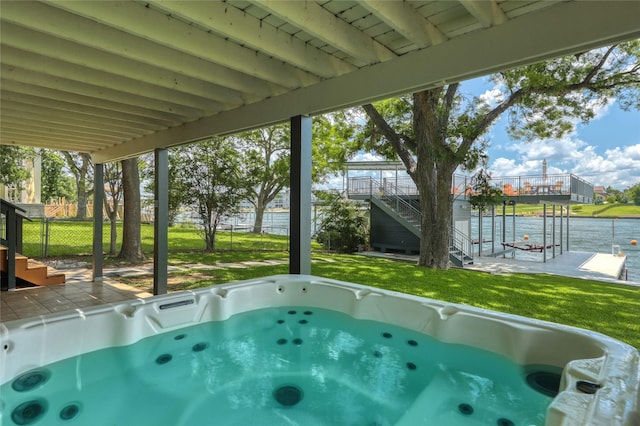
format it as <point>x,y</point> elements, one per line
<point>120,78</point>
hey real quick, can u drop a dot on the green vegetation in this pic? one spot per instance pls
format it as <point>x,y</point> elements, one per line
<point>344,227</point>
<point>582,210</point>
<point>74,238</point>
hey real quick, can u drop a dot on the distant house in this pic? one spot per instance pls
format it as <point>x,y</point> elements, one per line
<point>27,195</point>
<point>29,191</point>
<point>600,192</point>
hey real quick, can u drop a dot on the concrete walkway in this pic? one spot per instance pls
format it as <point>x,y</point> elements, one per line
<point>80,292</point>
<point>593,266</point>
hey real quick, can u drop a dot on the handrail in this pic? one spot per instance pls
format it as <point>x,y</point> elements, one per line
<point>13,238</point>
<point>525,185</point>
<point>392,197</point>
<point>460,241</point>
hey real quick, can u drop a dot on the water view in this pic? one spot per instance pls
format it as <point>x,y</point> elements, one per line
<point>585,234</point>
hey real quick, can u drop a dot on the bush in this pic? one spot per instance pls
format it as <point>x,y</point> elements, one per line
<point>343,227</point>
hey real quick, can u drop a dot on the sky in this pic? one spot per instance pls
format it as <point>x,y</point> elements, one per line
<point>605,151</point>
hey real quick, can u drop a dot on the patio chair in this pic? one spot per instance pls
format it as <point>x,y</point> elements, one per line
<point>558,187</point>
<point>508,190</point>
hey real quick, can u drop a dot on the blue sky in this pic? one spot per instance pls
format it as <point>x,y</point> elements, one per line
<point>605,151</point>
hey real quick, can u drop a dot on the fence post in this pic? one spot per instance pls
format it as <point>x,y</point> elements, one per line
<point>42,236</point>
<point>46,237</point>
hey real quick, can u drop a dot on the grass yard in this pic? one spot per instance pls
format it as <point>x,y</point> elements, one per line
<point>75,238</point>
<point>606,308</point>
<point>583,210</point>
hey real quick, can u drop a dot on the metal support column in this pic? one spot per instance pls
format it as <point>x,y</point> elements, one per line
<point>561,235</point>
<point>493,229</point>
<point>300,211</point>
<point>98,221</point>
<point>544,232</point>
<point>553,232</point>
<point>10,217</point>
<point>504,226</point>
<point>479,232</point>
<point>161,222</point>
<point>568,214</point>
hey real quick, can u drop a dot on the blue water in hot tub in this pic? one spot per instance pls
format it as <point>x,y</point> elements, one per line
<point>278,366</point>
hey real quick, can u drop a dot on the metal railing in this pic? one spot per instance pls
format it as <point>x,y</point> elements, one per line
<point>512,186</point>
<point>459,241</point>
<point>388,193</point>
<point>403,185</point>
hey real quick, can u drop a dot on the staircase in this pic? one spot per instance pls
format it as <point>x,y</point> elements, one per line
<point>31,271</point>
<point>396,204</point>
<point>460,248</point>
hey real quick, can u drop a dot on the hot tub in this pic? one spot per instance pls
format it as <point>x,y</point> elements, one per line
<point>303,350</point>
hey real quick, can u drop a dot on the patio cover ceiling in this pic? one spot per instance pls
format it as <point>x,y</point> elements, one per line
<point>117,79</point>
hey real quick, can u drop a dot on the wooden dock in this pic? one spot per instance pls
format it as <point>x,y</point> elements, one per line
<point>606,264</point>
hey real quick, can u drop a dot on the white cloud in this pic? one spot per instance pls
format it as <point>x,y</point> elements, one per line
<point>367,156</point>
<point>618,167</point>
<point>492,97</point>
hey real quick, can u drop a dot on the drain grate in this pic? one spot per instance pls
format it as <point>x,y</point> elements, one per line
<point>288,395</point>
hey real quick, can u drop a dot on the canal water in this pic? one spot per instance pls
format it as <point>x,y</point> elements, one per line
<point>585,234</point>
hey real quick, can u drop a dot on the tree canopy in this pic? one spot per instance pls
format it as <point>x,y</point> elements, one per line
<point>12,172</point>
<point>211,175</point>
<point>435,131</point>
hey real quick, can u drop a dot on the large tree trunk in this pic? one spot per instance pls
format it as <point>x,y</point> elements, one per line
<point>112,212</point>
<point>131,239</point>
<point>261,204</point>
<point>81,167</point>
<point>433,177</point>
<point>113,240</point>
<point>209,228</point>
<point>83,199</point>
<point>436,207</point>
<point>257,224</point>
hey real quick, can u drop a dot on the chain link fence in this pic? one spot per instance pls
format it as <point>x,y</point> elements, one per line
<point>52,237</point>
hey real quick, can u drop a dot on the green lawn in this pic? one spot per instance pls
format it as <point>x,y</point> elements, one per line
<point>583,210</point>
<point>606,308</point>
<point>74,238</point>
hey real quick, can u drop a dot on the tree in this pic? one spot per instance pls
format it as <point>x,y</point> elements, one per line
<point>634,194</point>
<point>483,194</point>
<point>81,167</point>
<point>131,248</point>
<point>435,131</point>
<point>265,153</point>
<point>112,197</point>
<point>176,194</point>
<point>266,157</point>
<point>343,227</point>
<point>55,182</point>
<point>12,172</point>
<point>212,179</point>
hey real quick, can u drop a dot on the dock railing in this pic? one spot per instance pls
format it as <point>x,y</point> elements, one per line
<point>568,185</point>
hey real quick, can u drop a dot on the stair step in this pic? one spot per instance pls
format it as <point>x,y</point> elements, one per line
<point>31,270</point>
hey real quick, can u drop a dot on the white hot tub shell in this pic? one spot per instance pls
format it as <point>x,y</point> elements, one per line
<point>610,366</point>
